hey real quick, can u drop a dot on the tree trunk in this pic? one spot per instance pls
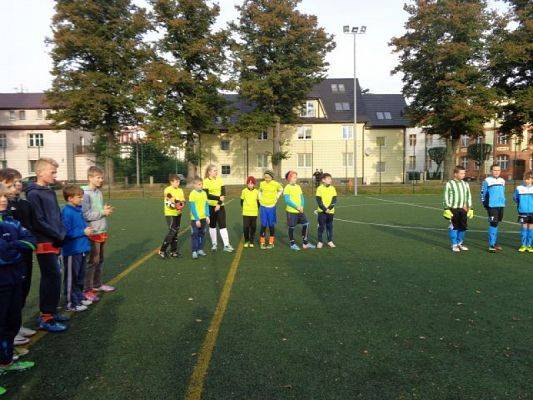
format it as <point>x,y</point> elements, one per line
<point>109,163</point>
<point>277,147</point>
<point>452,145</point>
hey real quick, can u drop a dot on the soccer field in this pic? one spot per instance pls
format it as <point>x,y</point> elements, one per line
<point>391,313</point>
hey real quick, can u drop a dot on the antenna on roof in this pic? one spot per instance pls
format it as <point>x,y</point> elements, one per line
<point>19,89</point>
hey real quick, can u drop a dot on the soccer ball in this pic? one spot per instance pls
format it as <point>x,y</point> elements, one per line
<point>170,203</point>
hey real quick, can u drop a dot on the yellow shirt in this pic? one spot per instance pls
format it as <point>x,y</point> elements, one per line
<point>177,195</point>
<point>198,202</point>
<point>215,188</point>
<point>269,193</point>
<point>326,193</point>
<point>295,195</point>
<point>249,204</point>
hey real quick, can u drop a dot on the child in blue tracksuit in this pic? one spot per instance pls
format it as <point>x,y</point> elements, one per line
<point>75,247</point>
<point>523,196</point>
<point>14,242</point>
<point>493,199</point>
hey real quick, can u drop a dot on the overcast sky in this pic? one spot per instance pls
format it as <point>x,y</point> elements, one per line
<point>24,25</point>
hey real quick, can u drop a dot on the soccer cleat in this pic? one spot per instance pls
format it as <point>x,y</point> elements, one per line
<point>319,245</point>
<point>52,326</point>
<point>246,244</point>
<point>105,289</point>
<point>194,255</point>
<point>498,247</point>
<point>20,340</point>
<point>86,302</point>
<point>294,247</point>
<point>530,249</point>
<point>309,246</point>
<point>77,308</point>
<point>270,246</point>
<point>162,254</point>
<point>20,351</point>
<point>26,331</point>
<point>455,248</point>
<point>523,249</point>
<point>91,296</point>
<point>492,249</point>
<point>214,247</point>
<point>202,253</point>
<point>462,247</point>
<point>175,254</point>
<point>17,367</point>
<point>228,248</point>
<point>331,245</point>
<point>61,318</point>
<point>252,245</point>
<point>263,246</point>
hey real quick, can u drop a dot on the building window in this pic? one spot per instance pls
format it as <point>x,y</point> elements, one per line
<point>39,114</point>
<point>347,159</point>
<point>347,132</point>
<point>308,110</point>
<point>380,141</point>
<point>305,132</point>
<point>305,160</point>
<point>12,115</point>
<point>387,115</point>
<point>342,106</point>
<point>412,163</point>
<point>464,140</point>
<point>224,145</point>
<point>412,139</point>
<point>262,136</point>
<point>262,160</point>
<point>31,166</point>
<point>380,166</point>
<point>338,88</point>
<point>35,140</point>
<point>502,138</point>
<point>226,169</point>
<point>22,115</point>
<point>503,161</point>
<point>464,162</point>
<point>3,140</point>
<point>379,115</point>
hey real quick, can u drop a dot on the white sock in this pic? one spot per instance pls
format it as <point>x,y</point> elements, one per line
<point>213,234</point>
<point>224,235</point>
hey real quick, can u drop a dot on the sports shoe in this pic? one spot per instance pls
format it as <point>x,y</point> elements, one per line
<point>309,246</point>
<point>16,367</point>
<point>202,253</point>
<point>498,247</point>
<point>462,247</point>
<point>456,248</point>
<point>20,340</point>
<point>492,249</point>
<point>77,308</point>
<point>162,254</point>
<point>252,245</point>
<point>86,302</point>
<point>2,391</point>
<point>20,351</point>
<point>530,249</point>
<point>523,249</point>
<point>91,296</point>
<point>331,245</point>
<point>214,247</point>
<point>26,331</point>
<point>294,247</point>
<point>270,246</point>
<point>61,318</point>
<point>263,246</point>
<point>52,326</point>
<point>194,255</point>
<point>246,244</point>
<point>228,248</point>
<point>175,254</point>
<point>105,289</point>
<point>319,245</point>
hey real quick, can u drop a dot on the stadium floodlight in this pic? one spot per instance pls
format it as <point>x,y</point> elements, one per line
<point>355,30</point>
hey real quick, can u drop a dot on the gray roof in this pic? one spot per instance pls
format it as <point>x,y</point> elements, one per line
<point>385,103</point>
<point>22,101</point>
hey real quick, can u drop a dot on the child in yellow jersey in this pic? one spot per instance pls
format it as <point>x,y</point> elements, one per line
<point>295,201</point>
<point>173,203</point>
<point>199,217</point>
<point>250,210</point>
<point>216,194</point>
<point>269,192</point>
<point>326,198</point>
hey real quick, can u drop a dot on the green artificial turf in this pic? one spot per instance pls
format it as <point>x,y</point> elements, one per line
<point>391,313</point>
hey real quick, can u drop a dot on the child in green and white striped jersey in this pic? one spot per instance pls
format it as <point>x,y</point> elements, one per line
<point>458,208</point>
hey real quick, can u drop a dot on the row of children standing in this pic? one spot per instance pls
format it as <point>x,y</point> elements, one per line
<point>75,235</point>
<point>458,208</point>
<point>207,208</point>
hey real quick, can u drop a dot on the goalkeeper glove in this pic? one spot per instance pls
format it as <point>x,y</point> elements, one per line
<point>470,214</point>
<point>447,214</point>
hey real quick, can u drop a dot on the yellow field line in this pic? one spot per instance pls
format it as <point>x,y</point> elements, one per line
<point>196,384</point>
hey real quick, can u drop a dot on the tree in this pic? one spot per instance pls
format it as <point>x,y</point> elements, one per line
<point>184,81</point>
<point>443,61</point>
<point>479,152</point>
<point>279,55</point>
<point>97,55</point>
<point>511,65</point>
<point>437,155</point>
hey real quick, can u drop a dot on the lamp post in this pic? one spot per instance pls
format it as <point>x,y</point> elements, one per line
<point>355,30</point>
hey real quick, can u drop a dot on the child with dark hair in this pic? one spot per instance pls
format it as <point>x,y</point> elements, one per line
<point>523,197</point>
<point>250,211</point>
<point>174,201</point>
<point>295,203</point>
<point>326,198</point>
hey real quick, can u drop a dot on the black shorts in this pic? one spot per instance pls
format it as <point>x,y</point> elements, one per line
<point>495,214</point>
<point>296,219</point>
<point>217,217</point>
<point>459,219</point>
<point>525,219</point>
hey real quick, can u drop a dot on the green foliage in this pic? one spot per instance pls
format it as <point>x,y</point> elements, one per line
<point>279,156</point>
<point>437,154</point>
<point>479,152</point>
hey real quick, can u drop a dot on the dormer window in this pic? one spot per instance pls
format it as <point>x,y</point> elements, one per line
<point>338,88</point>
<point>308,110</point>
<point>383,115</point>
<point>342,106</point>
